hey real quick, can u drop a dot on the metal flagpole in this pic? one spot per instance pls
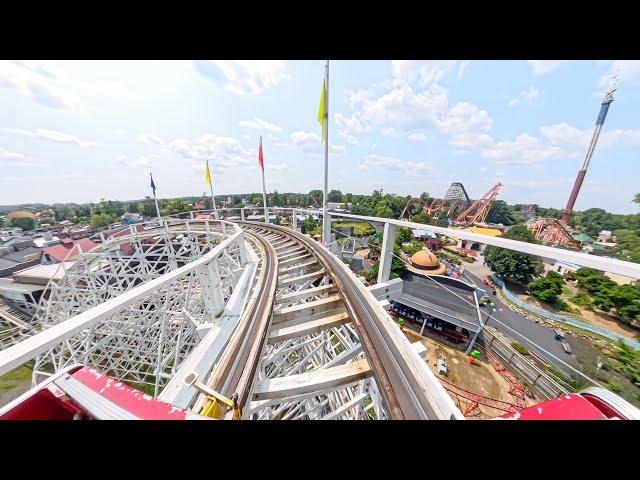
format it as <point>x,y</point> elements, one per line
<point>157,209</point>
<point>326,159</point>
<point>153,188</point>
<point>213,199</point>
<point>264,191</point>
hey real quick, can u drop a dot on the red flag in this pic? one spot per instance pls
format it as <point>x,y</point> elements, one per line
<point>260,158</point>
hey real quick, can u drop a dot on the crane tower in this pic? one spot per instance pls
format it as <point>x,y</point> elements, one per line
<point>606,101</point>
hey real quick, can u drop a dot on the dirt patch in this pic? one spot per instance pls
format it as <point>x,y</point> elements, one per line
<point>606,321</point>
<point>587,355</point>
<point>479,378</point>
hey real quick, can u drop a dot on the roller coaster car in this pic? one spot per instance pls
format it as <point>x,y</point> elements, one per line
<point>594,403</point>
<point>82,393</point>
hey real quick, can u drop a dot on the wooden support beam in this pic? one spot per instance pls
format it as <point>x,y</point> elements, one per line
<point>294,260</point>
<point>309,308</point>
<point>302,278</point>
<point>316,381</point>
<point>294,329</point>
<point>295,268</point>
<point>291,253</point>
<point>306,293</point>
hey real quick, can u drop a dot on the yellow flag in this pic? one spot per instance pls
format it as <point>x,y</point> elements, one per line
<point>207,174</point>
<point>322,110</point>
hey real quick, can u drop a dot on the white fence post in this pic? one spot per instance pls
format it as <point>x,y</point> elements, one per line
<point>386,254</point>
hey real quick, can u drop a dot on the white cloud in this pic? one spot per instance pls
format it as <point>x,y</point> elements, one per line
<point>222,152</point>
<point>7,156</point>
<point>348,138</point>
<point>484,169</point>
<point>418,137</point>
<point>141,161</point>
<point>277,167</point>
<point>527,97</point>
<point>468,126</point>
<point>567,136</point>
<point>395,164</point>
<point>396,111</point>
<point>50,135</point>
<point>260,124</point>
<point>542,67</point>
<point>461,68</point>
<point>150,138</point>
<point>628,71</point>
<point>310,142</point>
<point>422,72</point>
<point>244,77</point>
<point>523,150</point>
<point>35,81</point>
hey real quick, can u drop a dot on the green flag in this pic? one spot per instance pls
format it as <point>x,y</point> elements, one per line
<point>322,111</point>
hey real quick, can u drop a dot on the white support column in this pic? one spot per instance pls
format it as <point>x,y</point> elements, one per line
<point>242,213</point>
<point>294,220</point>
<point>326,234</point>
<point>243,249</point>
<point>386,254</point>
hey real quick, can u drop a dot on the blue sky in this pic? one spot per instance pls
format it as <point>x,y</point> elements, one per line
<point>85,130</point>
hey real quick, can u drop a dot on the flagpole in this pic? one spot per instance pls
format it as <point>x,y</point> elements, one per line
<point>264,193</point>
<point>157,209</point>
<point>213,199</point>
<point>155,198</point>
<point>326,160</point>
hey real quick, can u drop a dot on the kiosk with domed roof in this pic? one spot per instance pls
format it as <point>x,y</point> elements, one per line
<point>425,262</point>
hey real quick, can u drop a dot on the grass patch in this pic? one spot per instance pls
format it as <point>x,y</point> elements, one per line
<point>12,379</point>
<point>521,349</point>
<point>582,299</point>
<point>360,229</point>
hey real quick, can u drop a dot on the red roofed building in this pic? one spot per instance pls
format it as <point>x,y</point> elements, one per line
<point>58,253</point>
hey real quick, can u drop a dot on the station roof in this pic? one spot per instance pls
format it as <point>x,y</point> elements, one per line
<point>492,232</point>
<point>41,274</point>
<point>422,233</point>
<point>438,296</point>
<point>10,285</point>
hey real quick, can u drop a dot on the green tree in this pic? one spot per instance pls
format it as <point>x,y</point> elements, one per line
<point>22,219</point>
<point>627,245</point>
<point>516,266</point>
<point>335,196</point>
<point>425,197</point>
<point>549,288</point>
<point>99,220</point>
<point>1,222</point>
<point>309,225</point>
<point>382,210</point>
<point>177,205</point>
<point>501,212</point>
<point>317,196</point>
<point>403,235</point>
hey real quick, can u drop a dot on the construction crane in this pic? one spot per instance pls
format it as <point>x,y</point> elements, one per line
<point>606,101</point>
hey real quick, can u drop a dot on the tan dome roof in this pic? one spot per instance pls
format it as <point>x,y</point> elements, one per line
<point>424,258</point>
<point>426,263</point>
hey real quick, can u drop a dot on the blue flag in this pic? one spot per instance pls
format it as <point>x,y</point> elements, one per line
<point>153,185</point>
